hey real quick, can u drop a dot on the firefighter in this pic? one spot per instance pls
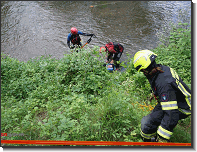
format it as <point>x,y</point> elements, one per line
<point>74,37</point>
<point>174,98</point>
<point>114,52</point>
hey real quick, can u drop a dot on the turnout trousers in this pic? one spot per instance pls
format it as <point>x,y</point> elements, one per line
<point>151,122</point>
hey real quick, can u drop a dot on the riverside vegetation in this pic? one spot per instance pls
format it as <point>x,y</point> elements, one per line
<point>75,98</point>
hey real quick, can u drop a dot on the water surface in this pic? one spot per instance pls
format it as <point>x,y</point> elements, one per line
<point>33,28</point>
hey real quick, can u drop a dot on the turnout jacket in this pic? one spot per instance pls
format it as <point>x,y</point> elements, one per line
<point>173,95</point>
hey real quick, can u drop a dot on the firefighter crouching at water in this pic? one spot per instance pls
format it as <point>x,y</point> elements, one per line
<point>74,37</point>
<point>174,98</point>
<point>114,51</point>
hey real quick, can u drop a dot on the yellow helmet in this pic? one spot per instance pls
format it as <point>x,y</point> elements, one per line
<point>143,58</point>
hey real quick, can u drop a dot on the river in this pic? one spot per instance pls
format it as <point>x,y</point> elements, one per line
<point>33,28</point>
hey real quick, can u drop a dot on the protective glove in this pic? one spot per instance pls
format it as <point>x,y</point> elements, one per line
<point>86,34</point>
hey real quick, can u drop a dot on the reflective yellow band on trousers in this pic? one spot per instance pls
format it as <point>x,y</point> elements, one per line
<point>147,136</point>
<point>164,133</point>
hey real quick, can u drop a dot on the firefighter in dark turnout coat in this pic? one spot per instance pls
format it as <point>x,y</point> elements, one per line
<point>174,98</point>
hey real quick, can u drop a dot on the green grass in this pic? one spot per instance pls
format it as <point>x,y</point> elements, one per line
<point>75,98</point>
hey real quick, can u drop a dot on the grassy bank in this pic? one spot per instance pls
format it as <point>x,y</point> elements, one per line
<point>75,98</point>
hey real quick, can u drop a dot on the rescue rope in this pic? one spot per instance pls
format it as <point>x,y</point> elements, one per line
<point>145,106</point>
<point>117,143</point>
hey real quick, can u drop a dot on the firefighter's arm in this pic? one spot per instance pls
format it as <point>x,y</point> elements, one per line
<point>171,113</point>
<point>68,40</point>
<point>68,43</point>
<point>85,34</point>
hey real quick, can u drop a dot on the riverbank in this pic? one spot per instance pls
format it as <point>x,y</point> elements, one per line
<point>75,98</point>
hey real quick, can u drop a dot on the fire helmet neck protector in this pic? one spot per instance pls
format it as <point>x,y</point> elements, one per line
<point>143,58</point>
<point>74,31</point>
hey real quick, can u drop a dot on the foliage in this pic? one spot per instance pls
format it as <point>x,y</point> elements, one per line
<point>75,98</point>
<point>177,52</point>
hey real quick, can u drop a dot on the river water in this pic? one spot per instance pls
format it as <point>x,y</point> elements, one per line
<point>33,28</point>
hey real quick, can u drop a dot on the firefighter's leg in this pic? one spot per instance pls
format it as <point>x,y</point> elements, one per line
<point>117,59</point>
<point>79,45</point>
<point>150,123</point>
<point>109,57</point>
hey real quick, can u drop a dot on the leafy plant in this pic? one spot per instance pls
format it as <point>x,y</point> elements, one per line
<point>75,98</point>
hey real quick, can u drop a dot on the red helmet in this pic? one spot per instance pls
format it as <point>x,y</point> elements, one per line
<point>74,31</point>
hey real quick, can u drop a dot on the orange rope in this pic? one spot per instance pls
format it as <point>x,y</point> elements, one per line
<point>48,142</point>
